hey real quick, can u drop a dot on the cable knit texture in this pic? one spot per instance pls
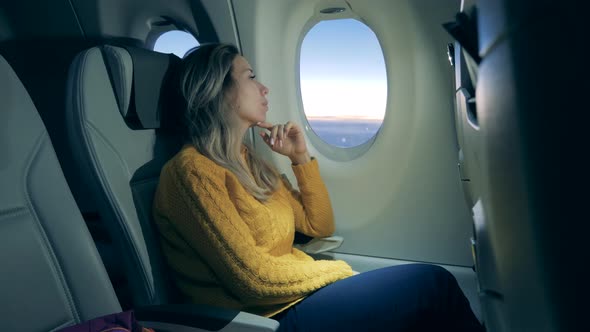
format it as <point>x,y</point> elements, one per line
<point>230,250</point>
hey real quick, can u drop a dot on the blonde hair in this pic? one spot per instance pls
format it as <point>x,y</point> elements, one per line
<point>206,83</point>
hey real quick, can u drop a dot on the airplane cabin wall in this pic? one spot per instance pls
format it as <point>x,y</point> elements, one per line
<point>401,199</point>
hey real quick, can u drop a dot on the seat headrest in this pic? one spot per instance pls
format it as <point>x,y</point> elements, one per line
<point>145,84</point>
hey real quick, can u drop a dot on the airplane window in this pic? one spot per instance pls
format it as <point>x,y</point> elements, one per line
<point>343,82</point>
<point>175,41</point>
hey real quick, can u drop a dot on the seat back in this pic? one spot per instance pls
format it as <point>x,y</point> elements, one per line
<point>532,105</point>
<point>115,98</point>
<point>52,275</point>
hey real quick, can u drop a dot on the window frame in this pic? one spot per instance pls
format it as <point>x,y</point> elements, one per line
<point>328,150</point>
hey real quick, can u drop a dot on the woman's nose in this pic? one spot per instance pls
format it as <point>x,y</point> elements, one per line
<point>264,89</point>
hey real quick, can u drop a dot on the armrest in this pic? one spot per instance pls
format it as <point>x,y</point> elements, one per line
<point>195,317</point>
<point>320,244</point>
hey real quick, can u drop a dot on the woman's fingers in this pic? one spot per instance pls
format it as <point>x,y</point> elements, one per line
<point>265,137</point>
<point>288,127</point>
<point>277,134</point>
<point>280,135</point>
<point>264,124</point>
<point>273,135</point>
<point>269,138</point>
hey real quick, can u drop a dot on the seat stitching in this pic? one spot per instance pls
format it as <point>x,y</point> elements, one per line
<point>13,212</point>
<point>122,81</point>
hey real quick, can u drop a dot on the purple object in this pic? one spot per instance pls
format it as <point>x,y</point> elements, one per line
<point>119,322</point>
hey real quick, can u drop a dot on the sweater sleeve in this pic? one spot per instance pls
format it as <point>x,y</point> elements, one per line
<point>311,204</point>
<point>209,222</point>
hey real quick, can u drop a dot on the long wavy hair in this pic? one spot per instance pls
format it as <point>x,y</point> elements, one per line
<point>207,84</point>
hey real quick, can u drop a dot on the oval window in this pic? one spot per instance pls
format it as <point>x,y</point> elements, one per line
<point>175,41</point>
<point>343,82</point>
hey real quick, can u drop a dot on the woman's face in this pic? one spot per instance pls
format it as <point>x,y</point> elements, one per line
<point>249,95</point>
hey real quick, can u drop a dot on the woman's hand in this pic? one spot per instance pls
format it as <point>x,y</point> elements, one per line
<point>286,139</point>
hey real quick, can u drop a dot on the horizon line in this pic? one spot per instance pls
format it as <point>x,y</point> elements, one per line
<point>342,117</point>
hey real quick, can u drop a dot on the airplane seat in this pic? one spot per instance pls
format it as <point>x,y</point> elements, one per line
<point>114,97</point>
<point>533,163</point>
<point>528,245</point>
<point>52,275</point>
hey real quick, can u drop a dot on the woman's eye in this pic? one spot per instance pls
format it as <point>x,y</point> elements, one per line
<point>252,77</point>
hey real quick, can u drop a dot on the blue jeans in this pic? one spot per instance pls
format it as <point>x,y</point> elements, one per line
<point>413,297</point>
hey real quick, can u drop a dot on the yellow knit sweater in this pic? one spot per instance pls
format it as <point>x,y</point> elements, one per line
<point>227,249</point>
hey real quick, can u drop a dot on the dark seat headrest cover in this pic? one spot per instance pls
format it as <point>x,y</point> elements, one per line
<point>148,93</point>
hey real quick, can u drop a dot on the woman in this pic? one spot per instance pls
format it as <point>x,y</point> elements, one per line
<point>227,221</point>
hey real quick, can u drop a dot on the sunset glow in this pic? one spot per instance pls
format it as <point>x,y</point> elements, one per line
<point>344,99</point>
